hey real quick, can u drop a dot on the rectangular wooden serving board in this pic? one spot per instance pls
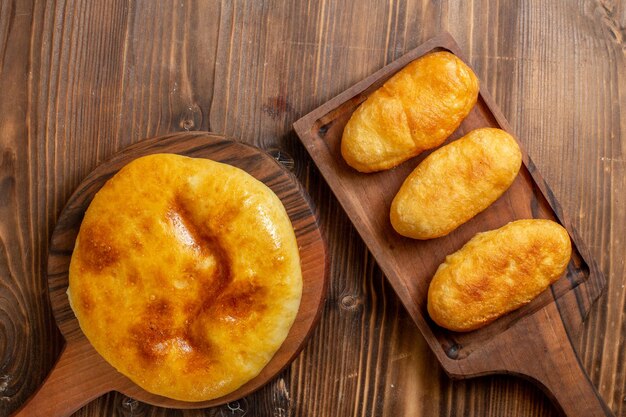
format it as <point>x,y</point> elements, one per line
<point>410,264</point>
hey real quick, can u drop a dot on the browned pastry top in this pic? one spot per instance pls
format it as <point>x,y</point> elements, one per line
<point>186,275</point>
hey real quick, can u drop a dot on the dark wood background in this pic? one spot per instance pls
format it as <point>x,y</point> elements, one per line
<point>80,80</point>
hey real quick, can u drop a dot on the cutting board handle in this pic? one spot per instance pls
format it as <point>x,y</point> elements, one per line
<point>580,399</point>
<point>74,381</point>
<point>538,347</point>
<point>563,377</point>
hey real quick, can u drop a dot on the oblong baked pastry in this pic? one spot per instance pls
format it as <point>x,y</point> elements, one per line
<point>416,109</point>
<point>455,183</point>
<point>185,275</point>
<point>496,272</point>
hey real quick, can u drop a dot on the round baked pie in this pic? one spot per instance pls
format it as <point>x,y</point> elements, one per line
<point>185,275</point>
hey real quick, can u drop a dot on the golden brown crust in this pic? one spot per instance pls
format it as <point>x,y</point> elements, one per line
<point>415,110</point>
<point>185,275</point>
<point>497,272</point>
<point>455,183</point>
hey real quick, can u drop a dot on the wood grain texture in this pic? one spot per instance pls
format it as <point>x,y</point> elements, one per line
<point>81,80</point>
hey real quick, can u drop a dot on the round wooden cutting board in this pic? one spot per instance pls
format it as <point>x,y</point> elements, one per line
<point>81,374</point>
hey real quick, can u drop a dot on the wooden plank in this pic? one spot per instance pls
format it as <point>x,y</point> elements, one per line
<point>81,80</point>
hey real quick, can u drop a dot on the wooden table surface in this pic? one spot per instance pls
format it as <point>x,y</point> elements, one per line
<point>81,80</point>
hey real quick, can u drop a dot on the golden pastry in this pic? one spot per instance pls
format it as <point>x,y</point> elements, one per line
<point>455,183</point>
<point>185,275</point>
<point>497,272</point>
<point>415,110</point>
